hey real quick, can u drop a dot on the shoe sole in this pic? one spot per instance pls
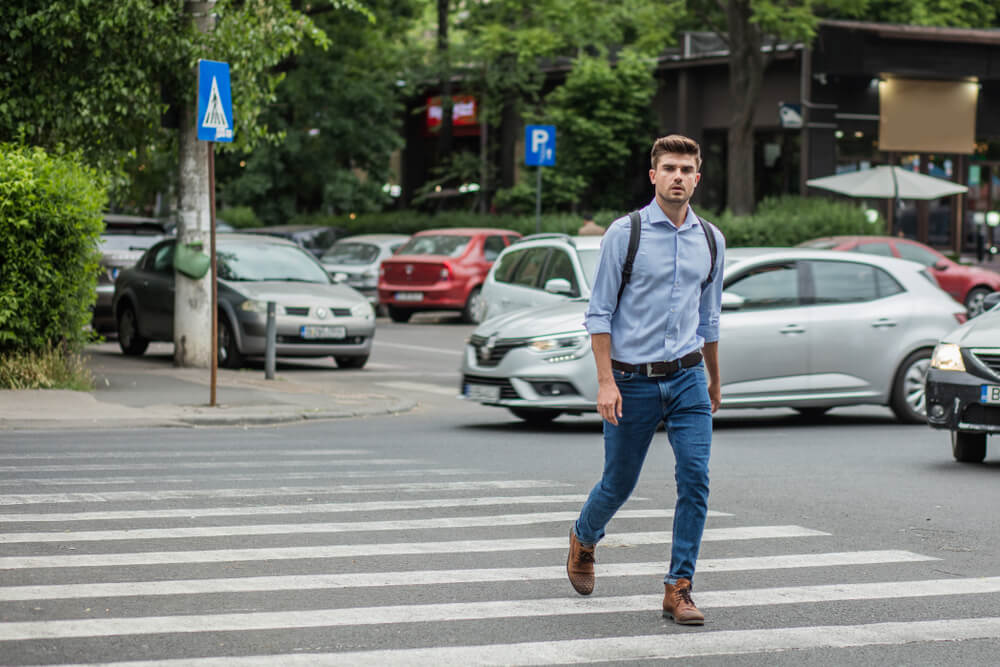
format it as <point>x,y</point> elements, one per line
<point>691,622</point>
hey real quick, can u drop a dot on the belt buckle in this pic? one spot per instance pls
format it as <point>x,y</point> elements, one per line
<point>652,374</point>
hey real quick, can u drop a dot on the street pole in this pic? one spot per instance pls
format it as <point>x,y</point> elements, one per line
<point>214,354</point>
<point>538,203</point>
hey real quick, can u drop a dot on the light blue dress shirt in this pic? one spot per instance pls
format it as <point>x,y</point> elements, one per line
<point>664,313</point>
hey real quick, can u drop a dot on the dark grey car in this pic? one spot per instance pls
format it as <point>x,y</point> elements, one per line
<point>315,317</point>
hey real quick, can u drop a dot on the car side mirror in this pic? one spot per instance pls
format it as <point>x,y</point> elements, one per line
<point>941,266</point>
<point>990,300</point>
<point>558,286</point>
<point>732,301</point>
<point>339,277</point>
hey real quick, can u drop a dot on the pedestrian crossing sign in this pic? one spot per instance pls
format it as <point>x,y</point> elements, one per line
<point>215,102</point>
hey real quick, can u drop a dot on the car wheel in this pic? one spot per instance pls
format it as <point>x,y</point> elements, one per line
<point>399,314</point>
<point>974,300</point>
<point>473,311</point>
<point>968,447</point>
<point>229,353</point>
<point>351,362</point>
<point>129,339</point>
<point>535,416</point>
<point>909,401</point>
<point>812,413</point>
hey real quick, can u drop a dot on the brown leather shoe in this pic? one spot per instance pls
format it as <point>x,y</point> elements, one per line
<point>678,605</point>
<point>580,565</point>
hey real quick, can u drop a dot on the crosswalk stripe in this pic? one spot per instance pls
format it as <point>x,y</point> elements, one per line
<point>443,523</point>
<point>182,453</point>
<point>403,548</point>
<point>494,609</point>
<point>314,582</point>
<point>177,494</point>
<point>215,477</point>
<point>307,508</point>
<point>615,649</point>
<point>419,387</point>
<point>420,348</point>
<point>200,465</point>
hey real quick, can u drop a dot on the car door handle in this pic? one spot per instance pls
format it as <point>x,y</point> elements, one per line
<point>883,323</point>
<point>793,329</point>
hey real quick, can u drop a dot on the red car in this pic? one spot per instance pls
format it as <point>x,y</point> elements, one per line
<point>966,284</point>
<point>441,269</point>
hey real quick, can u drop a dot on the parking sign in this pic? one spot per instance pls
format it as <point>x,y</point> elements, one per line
<point>540,145</point>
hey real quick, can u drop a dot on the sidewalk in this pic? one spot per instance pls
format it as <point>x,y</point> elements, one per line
<point>150,391</point>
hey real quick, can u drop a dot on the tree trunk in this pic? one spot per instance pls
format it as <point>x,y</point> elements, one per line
<point>193,298</point>
<point>446,130</point>
<point>746,72</point>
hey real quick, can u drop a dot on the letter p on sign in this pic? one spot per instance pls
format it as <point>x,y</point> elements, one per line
<point>540,145</point>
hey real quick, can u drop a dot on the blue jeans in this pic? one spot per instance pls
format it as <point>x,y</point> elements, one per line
<point>681,402</point>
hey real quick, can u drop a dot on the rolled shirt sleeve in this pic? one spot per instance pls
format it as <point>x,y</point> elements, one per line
<point>607,280</point>
<point>710,306</point>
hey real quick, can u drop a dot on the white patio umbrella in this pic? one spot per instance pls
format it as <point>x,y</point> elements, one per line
<point>887,183</point>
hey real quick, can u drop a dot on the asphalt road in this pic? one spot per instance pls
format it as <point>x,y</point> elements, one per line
<point>438,537</point>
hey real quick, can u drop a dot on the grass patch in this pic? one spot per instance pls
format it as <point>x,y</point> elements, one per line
<point>51,369</point>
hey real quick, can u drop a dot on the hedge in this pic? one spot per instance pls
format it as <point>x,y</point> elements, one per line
<point>50,221</point>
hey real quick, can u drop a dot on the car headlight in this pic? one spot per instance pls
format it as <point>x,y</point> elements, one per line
<point>253,306</point>
<point>363,310</point>
<point>947,357</point>
<point>568,344</point>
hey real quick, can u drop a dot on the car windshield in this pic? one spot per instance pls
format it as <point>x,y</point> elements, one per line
<point>351,253</point>
<point>588,262</point>
<point>268,261</point>
<point>451,245</point>
<point>820,244</point>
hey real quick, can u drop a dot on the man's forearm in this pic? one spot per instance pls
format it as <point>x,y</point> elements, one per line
<point>601,345</point>
<point>711,354</point>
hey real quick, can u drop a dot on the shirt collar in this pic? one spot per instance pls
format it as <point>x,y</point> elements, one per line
<point>656,215</point>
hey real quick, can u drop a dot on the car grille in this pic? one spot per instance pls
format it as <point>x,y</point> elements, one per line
<point>987,415</point>
<point>989,358</point>
<point>486,356</point>
<point>506,388</point>
<point>303,311</point>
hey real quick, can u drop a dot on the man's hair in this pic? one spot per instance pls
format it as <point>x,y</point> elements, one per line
<point>675,143</point>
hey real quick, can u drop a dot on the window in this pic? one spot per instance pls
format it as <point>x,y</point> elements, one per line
<point>886,284</point>
<point>843,282</point>
<point>355,254</point>
<point>916,253</point>
<point>163,260</point>
<point>770,286</point>
<point>505,270</point>
<point>880,248</point>
<point>450,245</point>
<point>561,266</point>
<point>530,267</point>
<point>492,247</point>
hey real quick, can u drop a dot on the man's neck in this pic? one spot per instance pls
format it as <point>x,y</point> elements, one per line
<point>676,214</point>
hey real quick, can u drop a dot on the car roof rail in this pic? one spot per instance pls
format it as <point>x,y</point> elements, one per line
<point>547,235</point>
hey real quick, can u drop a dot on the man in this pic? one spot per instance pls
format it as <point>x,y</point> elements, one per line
<point>589,227</point>
<point>657,360</point>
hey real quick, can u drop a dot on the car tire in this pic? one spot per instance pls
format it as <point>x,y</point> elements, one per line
<point>229,352</point>
<point>968,447</point>
<point>397,314</point>
<point>351,362</point>
<point>974,300</point>
<point>129,339</point>
<point>909,400</point>
<point>473,311</point>
<point>535,416</point>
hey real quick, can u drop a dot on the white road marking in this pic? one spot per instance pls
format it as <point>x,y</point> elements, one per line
<point>215,477</point>
<point>182,453</point>
<point>201,465</point>
<point>493,609</point>
<point>379,550</point>
<point>421,387</point>
<point>419,348</point>
<point>314,582</point>
<point>618,649</point>
<point>442,523</point>
<point>308,508</point>
<point>177,494</point>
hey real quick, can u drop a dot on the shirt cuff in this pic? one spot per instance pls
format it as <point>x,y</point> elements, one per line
<point>597,325</point>
<point>709,333</point>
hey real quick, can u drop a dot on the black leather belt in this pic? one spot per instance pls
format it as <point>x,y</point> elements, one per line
<point>659,368</point>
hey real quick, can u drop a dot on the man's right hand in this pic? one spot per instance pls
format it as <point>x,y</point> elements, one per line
<point>609,402</point>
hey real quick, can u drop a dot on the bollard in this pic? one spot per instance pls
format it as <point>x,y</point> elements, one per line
<point>272,330</point>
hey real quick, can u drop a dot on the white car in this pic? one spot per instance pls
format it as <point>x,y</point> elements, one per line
<point>541,269</point>
<point>355,260</point>
<point>805,329</point>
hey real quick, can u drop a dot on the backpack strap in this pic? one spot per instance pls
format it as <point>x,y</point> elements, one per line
<point>712,250</point>
<point>635,226</point>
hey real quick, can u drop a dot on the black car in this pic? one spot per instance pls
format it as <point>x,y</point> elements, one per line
<point>963,384</point>
<point>314,238</point>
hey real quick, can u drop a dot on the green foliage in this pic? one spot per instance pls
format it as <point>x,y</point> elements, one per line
<point>949,13</point>
<point>50,220</point>
<point>559,191</point>
<point>240,217</point>
<point>46,369</point>
<point>787,221</point>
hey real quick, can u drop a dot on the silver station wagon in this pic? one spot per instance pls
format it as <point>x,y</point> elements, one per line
<point>800,328</point>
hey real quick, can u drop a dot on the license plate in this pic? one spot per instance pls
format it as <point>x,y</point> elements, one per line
<point>322,331</point>
<point>989,394</point>
<point>409,296</point>
<point>482,392</point>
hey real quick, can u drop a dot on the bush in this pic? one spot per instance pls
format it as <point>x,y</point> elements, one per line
<point>48,369</point>
<point>788,221</point>
<point>50,221</point>
<point>240,217</point>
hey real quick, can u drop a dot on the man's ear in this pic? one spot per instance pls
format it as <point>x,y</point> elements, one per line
<point>652,176</point>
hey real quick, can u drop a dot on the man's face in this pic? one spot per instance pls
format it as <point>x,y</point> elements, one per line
<point>675,177</point>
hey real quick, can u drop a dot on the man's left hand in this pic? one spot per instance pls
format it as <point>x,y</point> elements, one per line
<point>715,395</point>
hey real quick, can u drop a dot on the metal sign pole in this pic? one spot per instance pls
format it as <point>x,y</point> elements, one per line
<point>214,355</point>
<point>538,203</point>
